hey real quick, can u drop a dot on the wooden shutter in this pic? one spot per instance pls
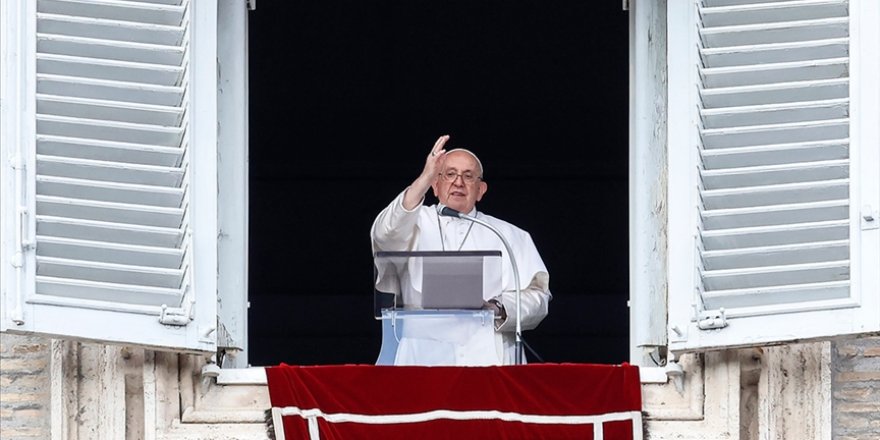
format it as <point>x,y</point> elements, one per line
<point>119,179</point>
<point>765,141</point>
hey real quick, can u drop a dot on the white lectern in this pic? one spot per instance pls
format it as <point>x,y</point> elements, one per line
<point>430,304</point>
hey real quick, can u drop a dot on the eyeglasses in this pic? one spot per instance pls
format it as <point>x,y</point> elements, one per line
<point>466,177</point>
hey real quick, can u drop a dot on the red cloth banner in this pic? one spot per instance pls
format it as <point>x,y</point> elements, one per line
<point>536,401</point>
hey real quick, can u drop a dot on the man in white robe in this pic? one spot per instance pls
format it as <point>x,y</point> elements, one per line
<point>455,177</point>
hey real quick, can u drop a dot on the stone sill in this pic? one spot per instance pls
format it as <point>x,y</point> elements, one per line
<point>257,376</point>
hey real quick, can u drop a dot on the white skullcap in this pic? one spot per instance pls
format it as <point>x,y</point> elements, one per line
<point>465,150</point>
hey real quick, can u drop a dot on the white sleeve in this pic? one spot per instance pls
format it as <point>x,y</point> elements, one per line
<point>535,285</point>
<point>535,304</point>
<point>395,227</point>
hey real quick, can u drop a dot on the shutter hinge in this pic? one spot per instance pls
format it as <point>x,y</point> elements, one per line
<point>178,316</point>
<point>712,319</point>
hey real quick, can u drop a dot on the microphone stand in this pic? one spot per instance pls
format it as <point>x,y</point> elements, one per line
<point>449,212</point>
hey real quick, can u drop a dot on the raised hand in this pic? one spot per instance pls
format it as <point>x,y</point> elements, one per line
<point>434,161</point>
<point>433,165</point>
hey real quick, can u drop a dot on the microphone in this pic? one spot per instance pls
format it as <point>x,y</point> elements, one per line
<point>449,212</point>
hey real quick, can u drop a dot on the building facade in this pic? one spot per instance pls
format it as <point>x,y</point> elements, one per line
<point>753,197</point>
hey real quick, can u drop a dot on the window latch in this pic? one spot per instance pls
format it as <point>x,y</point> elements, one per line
<point>712,319</point>
<point>179,316</point>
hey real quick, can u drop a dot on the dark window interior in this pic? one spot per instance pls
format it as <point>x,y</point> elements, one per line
<point>347,98</point>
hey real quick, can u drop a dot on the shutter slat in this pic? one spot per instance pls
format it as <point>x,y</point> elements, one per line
<point>110,191</point>
<point>54,24</point>
<point>161,2</point>
<point>107,151</point>
<point>110,272</point>
<point>776,154</point>
<point>753,74</point>
<point>728,137</point>
<point>775,174</point>
<point>107,231</point>
<point>775,93</point>
<point>120,91</point>
<point>109,110</point>
<point>795,294</point>
<point>730,56</point>
<point>789,254</point>
<point>110,130</point>
<point>776,235</point>
<point>764,195</point>
<point>112,50</point>
<point>784,32</point>
<point>772,12</point>
<point>753,277</point>
<point>110,212</point>
<point>774,214</point>
<point>113,70</point>
<point>109,171</point>
<point>155,13</point>
<point>94,290</point>
<point>717,3</point>
<point>116,253</point>
<point>777,113</point>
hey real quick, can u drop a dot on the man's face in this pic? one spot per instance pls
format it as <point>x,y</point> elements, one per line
<point>458,194</point>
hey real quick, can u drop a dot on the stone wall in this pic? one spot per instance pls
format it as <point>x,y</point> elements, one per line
<point>856,389</point>
<point>183,406</point>
<point>24,387</point>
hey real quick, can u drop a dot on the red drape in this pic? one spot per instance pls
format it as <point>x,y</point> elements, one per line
<point>552,401</point>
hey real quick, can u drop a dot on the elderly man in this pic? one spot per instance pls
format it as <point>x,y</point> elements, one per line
<point>456,178</point>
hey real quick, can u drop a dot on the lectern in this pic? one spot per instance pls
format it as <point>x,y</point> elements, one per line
<point>431,307</point>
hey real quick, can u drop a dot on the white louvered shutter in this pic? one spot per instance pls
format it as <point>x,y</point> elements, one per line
<point>115,185</point>
<point>773,171</point>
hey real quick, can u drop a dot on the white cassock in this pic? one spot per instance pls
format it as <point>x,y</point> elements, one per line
<point>445,343</point>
